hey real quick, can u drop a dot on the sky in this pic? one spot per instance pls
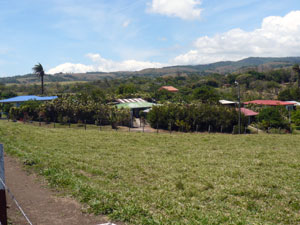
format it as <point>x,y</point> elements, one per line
<point>128,35</point>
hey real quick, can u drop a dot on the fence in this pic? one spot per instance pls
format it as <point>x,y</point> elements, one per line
<point>141,126</point>
<point>3,189</point>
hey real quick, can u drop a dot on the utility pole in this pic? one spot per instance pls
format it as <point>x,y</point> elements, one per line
<point>239,100</point>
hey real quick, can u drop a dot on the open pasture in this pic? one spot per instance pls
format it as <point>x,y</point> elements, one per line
<point>167,178</point>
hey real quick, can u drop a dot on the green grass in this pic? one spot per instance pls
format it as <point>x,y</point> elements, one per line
<point>167,179</point>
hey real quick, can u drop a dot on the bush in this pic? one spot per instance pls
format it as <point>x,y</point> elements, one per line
<point>296,117</point>
<point>272,117</point>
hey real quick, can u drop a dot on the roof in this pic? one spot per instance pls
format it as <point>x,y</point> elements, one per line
<point>248,112</point>
<point>169,88</point>
<point>127,100</point>
<point>295,103</point>
<point>27,98</point>
<point>269,102</point>
<point>226,102</point>
<point>135,105</point>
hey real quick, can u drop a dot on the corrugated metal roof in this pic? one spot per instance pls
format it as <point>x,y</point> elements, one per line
<point>295,103</point>
<point>169,88</point>
<point>135,105</point>
<point>248,112</point>
<point>226,102</point>
<point>28,98</point>
<point>269,102</point>
<point>127,100</point>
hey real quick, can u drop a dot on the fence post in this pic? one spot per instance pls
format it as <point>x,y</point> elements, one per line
<point>3,212</point>
<point>143,126</point>
<point>85,124</point>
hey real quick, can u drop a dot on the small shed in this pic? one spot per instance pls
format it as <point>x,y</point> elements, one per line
<point>168,88</point>
<point>136,107</point>
<point>128,100</point>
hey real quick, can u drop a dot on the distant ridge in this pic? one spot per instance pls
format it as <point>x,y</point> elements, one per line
<point>260,64</point>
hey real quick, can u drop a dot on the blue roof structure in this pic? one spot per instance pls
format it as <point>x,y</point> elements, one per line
<point>28,98</point>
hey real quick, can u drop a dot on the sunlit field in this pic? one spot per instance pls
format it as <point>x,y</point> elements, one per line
<point>149,178</point>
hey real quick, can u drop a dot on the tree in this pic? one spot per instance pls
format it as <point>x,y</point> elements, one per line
<point>39,71</point>
<point>296,68</point>
<point>271,117</point>
<point>206,94</point>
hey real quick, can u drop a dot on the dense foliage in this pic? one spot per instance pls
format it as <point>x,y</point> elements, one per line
<point>192,86</point>
<point>194,117</point>
<point>72,109</point>
<point>273,117</point>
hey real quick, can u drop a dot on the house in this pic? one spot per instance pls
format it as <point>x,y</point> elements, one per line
<point>288,105</point>
<point>269,103</point>
<point>168,88</point>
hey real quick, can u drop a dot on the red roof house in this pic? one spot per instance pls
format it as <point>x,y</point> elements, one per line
<point>168,88</point>
<point>269,102</point>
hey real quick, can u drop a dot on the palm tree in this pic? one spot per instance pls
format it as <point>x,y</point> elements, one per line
<point>39,71</point>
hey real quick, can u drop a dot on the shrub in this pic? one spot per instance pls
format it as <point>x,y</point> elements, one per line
<point>296,117</point>
<point>271,117</point>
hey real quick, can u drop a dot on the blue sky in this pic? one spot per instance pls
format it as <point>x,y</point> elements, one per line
<point>101,35</point>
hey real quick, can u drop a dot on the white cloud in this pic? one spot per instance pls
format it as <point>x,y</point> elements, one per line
<point>70,68</point>
<point>184,9</point>
<point>126,23</point>
<point>104,65</point>
<point>277,37</point>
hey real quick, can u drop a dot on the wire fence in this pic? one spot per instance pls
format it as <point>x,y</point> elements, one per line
<point>15,201</point>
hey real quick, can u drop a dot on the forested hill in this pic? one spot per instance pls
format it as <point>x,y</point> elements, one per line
<point>253,63</point>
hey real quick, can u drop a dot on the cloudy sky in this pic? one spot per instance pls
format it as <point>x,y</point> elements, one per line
<point>102,35</point>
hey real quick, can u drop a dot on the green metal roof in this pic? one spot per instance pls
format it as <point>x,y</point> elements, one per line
<point>135,105</point>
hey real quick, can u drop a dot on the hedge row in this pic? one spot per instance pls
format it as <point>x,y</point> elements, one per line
<point>195,117</point>
<point>72,109</point>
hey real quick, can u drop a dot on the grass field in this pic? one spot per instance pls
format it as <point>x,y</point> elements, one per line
<point>167,178</point>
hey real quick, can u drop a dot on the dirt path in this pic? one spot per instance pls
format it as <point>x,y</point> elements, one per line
<point>42,205</point>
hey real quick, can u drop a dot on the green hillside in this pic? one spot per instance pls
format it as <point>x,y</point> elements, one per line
<point>257,63</point>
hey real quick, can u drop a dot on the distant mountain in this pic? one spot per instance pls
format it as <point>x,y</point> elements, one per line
<point>224,67</point>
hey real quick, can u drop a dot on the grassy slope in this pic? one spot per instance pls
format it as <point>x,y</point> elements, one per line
<point>167,179</point>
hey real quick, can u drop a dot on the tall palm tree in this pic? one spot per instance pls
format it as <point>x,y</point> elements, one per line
<point>39,71</point>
